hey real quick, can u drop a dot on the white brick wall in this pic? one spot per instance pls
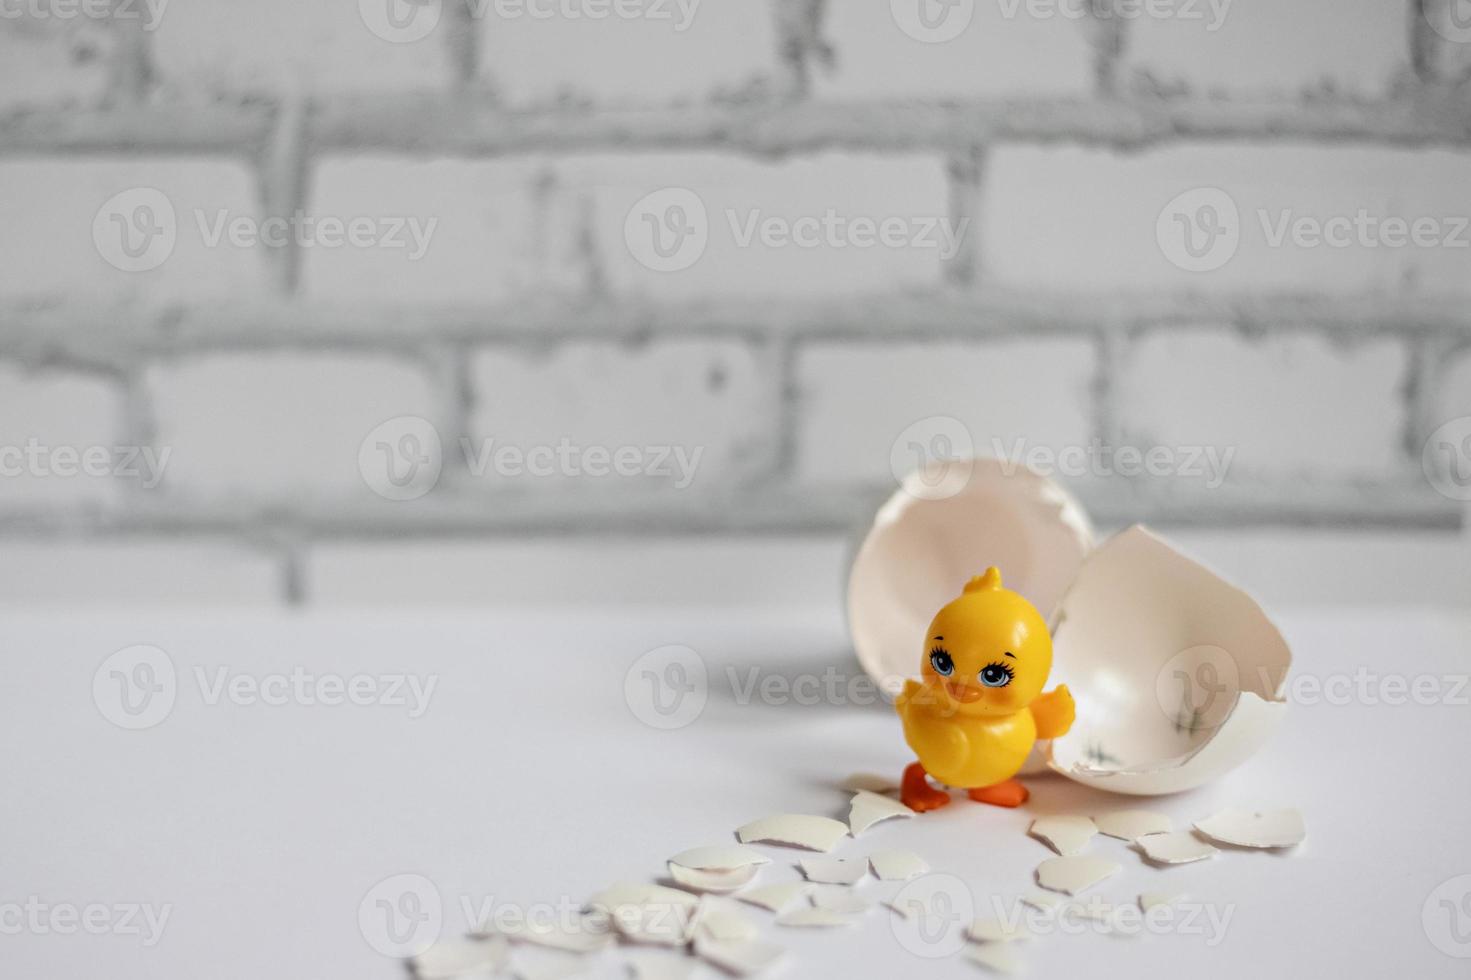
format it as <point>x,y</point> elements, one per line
<point>208,46</point>
<point>579,189</point>
<point>857,400</point>
<point>278,428</point>
<point>48,61</point>
<point>126,573</point>
<point>1075,219</point>
<point>672,51</point>
<point>758,227</point>
<point>486,233</point>
<point>1454,399</point>
<point>989,54</point>
<point>1290,406</point>
<point>703,402</point>
<point>1358,46</point>
<point>49,424</point>
<point>126,229</point>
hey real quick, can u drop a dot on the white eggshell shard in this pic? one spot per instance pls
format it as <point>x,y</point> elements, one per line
<point>868,809</point>
<point>924,545</point>
<point>720,857</point>
<point>1178,675</point>
<point>446,960</point>
<point>1177,847</point>
<point>712,881</point>
<point>795,830</point>
<point>1246,828</point>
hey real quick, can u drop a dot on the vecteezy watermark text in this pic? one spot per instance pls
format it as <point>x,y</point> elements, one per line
<point>407,21</point>
<point>137,688</point>
<point>148,12</point>
<point>41,461</point>
<point>137,230</point>
<point>1208,464</point>
<point>404,457</point>
<point>37,917</point>
<point>670,229</point>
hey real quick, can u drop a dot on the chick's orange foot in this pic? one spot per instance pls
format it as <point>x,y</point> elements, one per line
<point>916,793</point>
<point>1009,793</point>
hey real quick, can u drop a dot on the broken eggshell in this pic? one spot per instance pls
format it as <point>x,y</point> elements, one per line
<point>946,523</point>
<point>1178,675</point>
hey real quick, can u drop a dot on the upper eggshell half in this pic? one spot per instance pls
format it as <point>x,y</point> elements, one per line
<point>1177,674</point>
<point>923,548</point>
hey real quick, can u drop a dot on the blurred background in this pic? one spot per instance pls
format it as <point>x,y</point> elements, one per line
<point>312,302</point>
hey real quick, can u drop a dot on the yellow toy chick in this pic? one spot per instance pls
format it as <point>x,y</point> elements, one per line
<point>978,707</point>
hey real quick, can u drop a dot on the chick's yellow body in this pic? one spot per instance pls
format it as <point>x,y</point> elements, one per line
<point>964,751</point>
<point>978,707</point>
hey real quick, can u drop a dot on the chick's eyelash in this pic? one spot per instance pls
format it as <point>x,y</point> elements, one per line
<point>937,651</point>
<point>1004,667</point>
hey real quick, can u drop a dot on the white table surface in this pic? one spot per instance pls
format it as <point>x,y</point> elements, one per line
<point>528,779</point>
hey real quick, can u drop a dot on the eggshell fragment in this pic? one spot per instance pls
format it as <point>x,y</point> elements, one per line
<point>1067,835</point>
<point>712,881</point>
<point>1245,828</point>
<point>897,865</point>
<point>814,918</point>
<point>443,961</point>
<point>1180,847</point>
<point>870,782</point>
<point>1153,900</point>
<point>648,913</point>
<point>996,957</point>
<point>998,931</point>
<point>1178,675</point>
<point>741,958</point>
<point>647,965</point>
<point>1042,902</point>
<point>589,933</point>
<point>1072,875</point>
<point>774,898</point>
<point>723,921</point>
<point>547,970</point>
<point>868,809</point>
<point>720,857</point>
<point>835,871</point>
<point>923,546</point>
<point>1130,825</point>
<point>796,830</point>
<point>841,900</point>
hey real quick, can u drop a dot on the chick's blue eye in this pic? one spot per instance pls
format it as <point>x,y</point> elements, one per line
<point>996,675</point>
<point>940,660</point>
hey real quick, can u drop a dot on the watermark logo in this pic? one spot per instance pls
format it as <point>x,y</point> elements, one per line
<point>668,230</point>
<point>401,21</point>
<point>136,687</point>
<point>1202,229</point>
<point>1211,13</point>
<point>933,21</point>
<point>1198,687</point>
<point>136,230</point>
<point>401,915</point>
<point>1446,917</point>
<point>935,911</point>
<point>40,918</point>
<point>1209,464</point>
<point>1199,230</point>
<point>402,458</point>
<point>933,458</point>
<point>149,13</point>
<point>668,687</point>
<point>1451,19</point>
<point>1446,459</point>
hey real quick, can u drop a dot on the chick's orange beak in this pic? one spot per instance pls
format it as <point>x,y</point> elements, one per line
<point>962,692</point>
